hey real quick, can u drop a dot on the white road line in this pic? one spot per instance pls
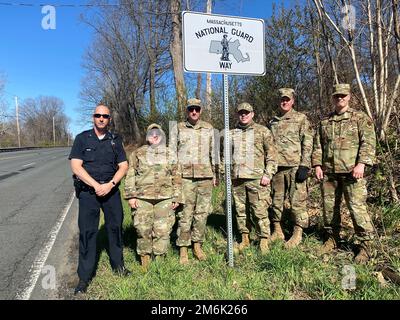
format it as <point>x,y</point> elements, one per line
<point>38,263</point>
<point>29,164</point>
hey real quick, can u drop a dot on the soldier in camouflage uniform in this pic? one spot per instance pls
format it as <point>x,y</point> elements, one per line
<point>254,162</point>
<point>344,144</point>
<point>153,187</point>
<point>294,142</point>
<point>198,155</point>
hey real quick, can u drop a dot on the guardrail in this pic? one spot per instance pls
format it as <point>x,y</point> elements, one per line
<point>17,149</point>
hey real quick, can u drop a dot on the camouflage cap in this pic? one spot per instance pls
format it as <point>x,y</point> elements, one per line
<point>341,88</point>
<point>194,102</point>
<point>153,126</point>
<point>286,92</point>
<point>244,106</point>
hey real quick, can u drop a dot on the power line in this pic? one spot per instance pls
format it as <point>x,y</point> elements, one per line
<point>67,5</point>
<point>19,4</point>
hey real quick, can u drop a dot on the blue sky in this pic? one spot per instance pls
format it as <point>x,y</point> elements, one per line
<point>48,62</point>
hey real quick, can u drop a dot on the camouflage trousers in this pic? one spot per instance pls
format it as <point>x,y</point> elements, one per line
<point>334,186</point>
<point>284,182</point>
<point>193,217</point>
<point>258,198</point>
<point>153,221</point>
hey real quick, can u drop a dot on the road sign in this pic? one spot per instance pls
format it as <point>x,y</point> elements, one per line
<point>223,44</point>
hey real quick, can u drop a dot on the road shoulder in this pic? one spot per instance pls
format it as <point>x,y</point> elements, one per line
<point>63,259</point>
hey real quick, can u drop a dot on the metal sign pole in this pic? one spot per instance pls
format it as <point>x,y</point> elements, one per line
<point>17,115</point>
<point>228,185</point>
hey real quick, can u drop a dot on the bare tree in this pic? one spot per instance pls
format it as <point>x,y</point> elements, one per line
<point>153,21</point>
<point>37,121</point>
<point>128,63</point>
<point>378,80</point>
<point>288,64</point>
<point>117,70</point>
<point>177,58</point>
<point>2,106</point>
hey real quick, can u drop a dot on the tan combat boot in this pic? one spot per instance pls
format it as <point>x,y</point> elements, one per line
<point>328,246</point>
<point>145,260</point>
<point>295,238</point>
<point>160,258</point>
<point>363,255</point>
<point>245,242</point>
<point>264,246</point>
<point>198,252</point>
<point>278,233</point>
<point>183,255</point>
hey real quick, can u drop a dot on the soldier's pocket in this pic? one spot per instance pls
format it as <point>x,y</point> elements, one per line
<point>264,193</point>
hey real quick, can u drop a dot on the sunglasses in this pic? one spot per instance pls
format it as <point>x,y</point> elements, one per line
<point>190,109</point>
<point>99,115</point>
<point>340,96</point>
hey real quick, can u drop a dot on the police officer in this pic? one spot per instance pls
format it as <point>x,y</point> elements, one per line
<point>294,142</point>
<point>254,163</point>
<point>98,162</point>
<point>198,155</point>
<point>343,146</point>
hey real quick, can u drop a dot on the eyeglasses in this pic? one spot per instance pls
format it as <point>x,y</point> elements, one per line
<point>191,109</point>
<point>340,96</point>
<point>99,115</point>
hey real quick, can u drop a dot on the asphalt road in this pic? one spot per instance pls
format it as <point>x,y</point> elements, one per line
<point>35,188</point>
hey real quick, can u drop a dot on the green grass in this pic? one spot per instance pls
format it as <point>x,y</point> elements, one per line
<point>282,274</point>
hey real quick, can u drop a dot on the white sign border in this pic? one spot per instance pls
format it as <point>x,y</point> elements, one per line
<point>224,16</point>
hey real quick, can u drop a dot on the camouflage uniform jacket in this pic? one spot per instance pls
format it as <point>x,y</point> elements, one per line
<point>254,152</point>
<point>196,149</point>
<point>293,138</point>
<point>153,174</point>
<point>344,140</point>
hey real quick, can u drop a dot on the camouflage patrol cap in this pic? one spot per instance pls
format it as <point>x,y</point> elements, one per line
<point>153,126</point>
<point>341,88</point>
<point>194,103</point>
<point>286,92</point>
<point>244,106</point>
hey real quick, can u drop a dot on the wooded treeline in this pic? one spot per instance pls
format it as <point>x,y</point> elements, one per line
<point>42,123</point>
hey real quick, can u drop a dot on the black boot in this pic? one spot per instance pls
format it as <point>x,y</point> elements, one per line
<point>122,271</point>
<point>81,287</point>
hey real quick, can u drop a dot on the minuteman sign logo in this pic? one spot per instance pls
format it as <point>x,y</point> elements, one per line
<point>223,44</point>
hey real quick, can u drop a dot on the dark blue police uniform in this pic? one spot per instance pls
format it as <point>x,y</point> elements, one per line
<point>100,160</point>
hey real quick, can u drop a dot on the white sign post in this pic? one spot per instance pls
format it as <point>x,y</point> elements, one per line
<point>227,45</point>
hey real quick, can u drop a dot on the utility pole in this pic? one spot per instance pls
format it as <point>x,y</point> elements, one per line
<point>208,75</point>
<point>16,112</point>
<point>54,134</point>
